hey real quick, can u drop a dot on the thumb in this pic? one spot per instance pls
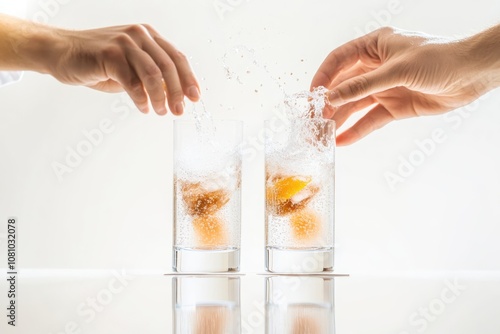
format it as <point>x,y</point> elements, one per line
<point>356,88</point>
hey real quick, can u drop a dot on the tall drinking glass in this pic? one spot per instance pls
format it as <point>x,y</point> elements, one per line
<point>300,164</point>
<point>207,200</point>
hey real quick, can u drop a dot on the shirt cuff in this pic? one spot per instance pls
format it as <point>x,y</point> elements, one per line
<point>9,77</point>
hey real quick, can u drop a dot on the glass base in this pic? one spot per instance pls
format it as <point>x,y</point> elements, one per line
<point>191,260</point>
<point>286,260</point>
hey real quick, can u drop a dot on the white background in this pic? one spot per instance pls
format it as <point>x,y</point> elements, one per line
<point>115,209</point>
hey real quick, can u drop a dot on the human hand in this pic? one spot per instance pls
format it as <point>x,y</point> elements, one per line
<point>402,74</point>
<point>134,58</point>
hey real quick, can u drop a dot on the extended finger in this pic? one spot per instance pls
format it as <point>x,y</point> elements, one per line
<point>358,69</point>
<point>186,75</point>
<point>344,57</point>
<point>120,71</point>
<point>356,88</point>
<point>151,78</point>
<point>175,94</point>
<point>344,112</point>
<point>373,120</point>
<point>338,60</point>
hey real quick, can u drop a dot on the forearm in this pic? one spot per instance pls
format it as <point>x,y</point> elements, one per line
<point>26,45</point>
<point>484,51</point>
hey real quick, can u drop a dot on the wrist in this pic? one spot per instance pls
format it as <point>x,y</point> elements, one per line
<point>43,49</point>
<point>483,52</point>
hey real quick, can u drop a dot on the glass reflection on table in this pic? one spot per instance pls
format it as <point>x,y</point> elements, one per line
<point>206,305</point>
<point>300,305</point>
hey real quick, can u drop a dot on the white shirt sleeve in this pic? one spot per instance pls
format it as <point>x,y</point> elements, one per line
<point>9,77</point>
<point>14,8</point>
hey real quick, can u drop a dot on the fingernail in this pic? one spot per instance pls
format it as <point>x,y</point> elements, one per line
<point>144,109</point>
<point>333,97</point>
<point>328,111</point>
<point>193,93</point>
<point>179,108</point>
<point>162,110</point>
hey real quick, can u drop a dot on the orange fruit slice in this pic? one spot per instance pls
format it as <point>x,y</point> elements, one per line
<point>199,201</point>
<point>285,188</point>
<point>306,225</point>
<point>288,194</point>
<point>210,231</point>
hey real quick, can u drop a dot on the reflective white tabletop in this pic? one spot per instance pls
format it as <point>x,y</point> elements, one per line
<point>63,302</point>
